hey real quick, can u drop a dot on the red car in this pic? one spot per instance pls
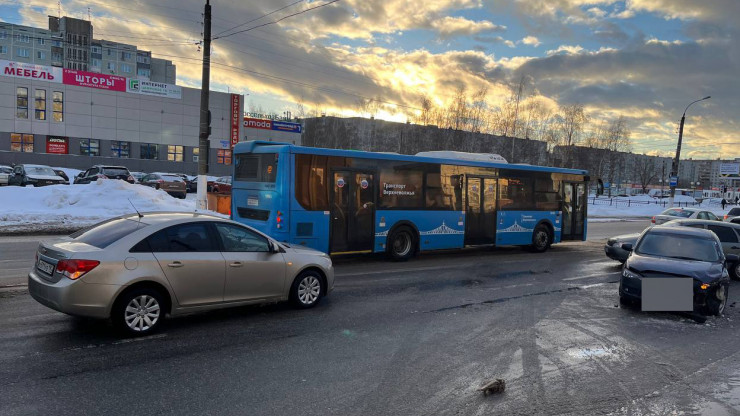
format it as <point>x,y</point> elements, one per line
<point>222,185</point>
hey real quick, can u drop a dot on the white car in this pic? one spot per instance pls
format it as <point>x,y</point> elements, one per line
<point>683,213</point>
<point>5,172</point>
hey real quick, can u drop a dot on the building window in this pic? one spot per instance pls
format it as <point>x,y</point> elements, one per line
<point>143,72</point>
<point>22,38</point>
<point>90,147</point>
<point>41,41</point>
<point>174,153</point>
<point>149,151</point>
<point>3,34</point>
<point>196,154</point>
<point>40,55</point>
<point>21,142</point>
<point>3,50</point>
<point>40,105</point>
<point>96,49</point>
<point>223,157</point>
<point>111,66</point>
<point>109,51</point>
<point>21,102</point>
<point>23,53</point>
<point>96,63</point>
<point>119,148</point>
<point>126,68</point>
<point>57,106</point>
<point>125,56</point>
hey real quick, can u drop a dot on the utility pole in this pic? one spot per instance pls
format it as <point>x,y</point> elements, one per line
<point>205,114</point>
<point>674,166</point>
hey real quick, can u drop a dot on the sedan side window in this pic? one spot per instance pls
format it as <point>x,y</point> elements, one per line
<point>183,238</point>
<point>702,216</point>
<point>712,216</point>
<point>240,239</point>
<point>725,234</point>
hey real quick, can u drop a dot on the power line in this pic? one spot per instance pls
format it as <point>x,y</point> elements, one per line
<point>276,21</point>
<point>258,18</point>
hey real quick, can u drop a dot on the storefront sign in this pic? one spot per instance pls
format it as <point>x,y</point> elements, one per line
<point>30,71</point>
<point>256,123</point>
<point>159,89</point>
<point>235,117</point>
<point>57,145</point>
<point>94,80</point>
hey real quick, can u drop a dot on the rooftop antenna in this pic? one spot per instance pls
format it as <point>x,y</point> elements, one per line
<point>59,8</point>
<point>89,19</point>
<point>137,211</point>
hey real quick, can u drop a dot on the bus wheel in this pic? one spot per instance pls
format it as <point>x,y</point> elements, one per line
<point>401,244</point>
<point>540,239</point>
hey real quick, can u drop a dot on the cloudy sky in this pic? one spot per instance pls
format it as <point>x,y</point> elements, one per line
<point>641,59</point>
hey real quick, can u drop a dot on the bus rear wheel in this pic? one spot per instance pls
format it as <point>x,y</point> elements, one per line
<point>541,239</point>
<point>401,244</point>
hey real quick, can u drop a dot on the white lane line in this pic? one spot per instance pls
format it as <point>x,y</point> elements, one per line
<point>588,276</point>
<point>422,269</point>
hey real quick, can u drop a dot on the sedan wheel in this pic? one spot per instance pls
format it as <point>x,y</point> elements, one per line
<point>735,271</point>
<point>717,301</point>
<point>307,289</point>
<point>139,312</point>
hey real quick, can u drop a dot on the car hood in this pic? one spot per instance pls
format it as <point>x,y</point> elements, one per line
<point>699,270</point>
<point>298,249</point>
<point>46,177</point>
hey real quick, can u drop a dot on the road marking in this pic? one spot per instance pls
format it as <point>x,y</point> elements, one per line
<point>588,276</point>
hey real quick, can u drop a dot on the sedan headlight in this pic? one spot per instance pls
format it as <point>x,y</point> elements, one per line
<point>630,274</point>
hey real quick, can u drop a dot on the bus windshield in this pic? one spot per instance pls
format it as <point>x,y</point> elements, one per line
<point>256,167</point>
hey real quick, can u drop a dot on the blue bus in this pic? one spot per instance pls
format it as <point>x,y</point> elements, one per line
<point>345,201</point>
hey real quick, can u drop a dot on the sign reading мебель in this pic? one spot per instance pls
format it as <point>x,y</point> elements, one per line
<point>729,169</point>
<point>235,116</point>
<point>159,89</point>
<point>256,123</point>
<point>94,80</point>
<point>30,71</point>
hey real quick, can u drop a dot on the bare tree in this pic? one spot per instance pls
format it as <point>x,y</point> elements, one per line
<point>645,171</point>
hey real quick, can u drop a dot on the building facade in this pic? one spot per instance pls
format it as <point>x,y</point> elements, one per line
<point>67,118</point>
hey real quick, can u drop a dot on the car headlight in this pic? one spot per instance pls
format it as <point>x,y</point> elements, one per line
<point>630,274</point>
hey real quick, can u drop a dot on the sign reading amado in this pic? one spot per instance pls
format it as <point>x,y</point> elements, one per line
<point>30,71</point>
<point>94,80</point>
<point>159,89</point>
<point>256,123</point>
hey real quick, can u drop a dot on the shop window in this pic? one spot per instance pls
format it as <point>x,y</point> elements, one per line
<point>149,151</point>
<point>57,106</point>
<point>223,157</point>
<point>174,153</point>
<point>90,147</point>
<point>21,102</point>
<point>196,154</point>
<point>21,142</point>
<point>40,105</point>
<point>120,149</point>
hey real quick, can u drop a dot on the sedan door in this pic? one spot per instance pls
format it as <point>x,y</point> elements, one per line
<point>190,259</point>
<point>728,237</point>
<point>252,270</point>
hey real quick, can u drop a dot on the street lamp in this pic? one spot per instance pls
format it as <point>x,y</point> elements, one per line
<point>674,167</point>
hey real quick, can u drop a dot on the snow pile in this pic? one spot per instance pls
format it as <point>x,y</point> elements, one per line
<point>70,207</point>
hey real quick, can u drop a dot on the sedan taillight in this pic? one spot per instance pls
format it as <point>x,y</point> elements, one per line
<point>74,269</point>
<point>653,220</point>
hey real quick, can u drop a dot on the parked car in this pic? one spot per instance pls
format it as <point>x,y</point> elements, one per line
<point>104,172</point>
<point>135,269</point>
<point>190,186</point>
<point>731,214</point>
<point>674,213</point>
<point>137,176</point>
<point>35,175</point>
<point>678,252</point>
<point>5,172</point>
<point>61,174</point>
<point>222,185</point>
<point>173,185</point>
<point>613,247</point>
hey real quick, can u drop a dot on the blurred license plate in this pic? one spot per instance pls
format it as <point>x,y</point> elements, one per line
<point>253,201</point>
<point>667,294</point>
<point>45,267</point>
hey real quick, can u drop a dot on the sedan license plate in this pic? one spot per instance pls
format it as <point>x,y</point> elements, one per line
<point>668,294</point>
<point>45,267</point>
<point>253,201</point>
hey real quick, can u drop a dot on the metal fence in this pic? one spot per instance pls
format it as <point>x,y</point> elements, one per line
<point>625,202</point>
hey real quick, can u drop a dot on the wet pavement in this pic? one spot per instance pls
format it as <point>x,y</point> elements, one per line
<point>411,338</point>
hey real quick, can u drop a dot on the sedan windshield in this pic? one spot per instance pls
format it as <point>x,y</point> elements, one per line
<point>678,213</point>
<point>678,247</point>
<point>40,170</point>
<point>170,178</point>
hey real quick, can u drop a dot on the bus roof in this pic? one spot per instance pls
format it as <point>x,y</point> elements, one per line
<point>252,146</point>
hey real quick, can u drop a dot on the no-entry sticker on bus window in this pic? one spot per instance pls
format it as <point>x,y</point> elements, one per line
<point>340,183</point>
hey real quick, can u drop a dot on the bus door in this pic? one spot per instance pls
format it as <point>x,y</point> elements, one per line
<point>352,212</point>
<point>574,210</point>
<point>480,210</point>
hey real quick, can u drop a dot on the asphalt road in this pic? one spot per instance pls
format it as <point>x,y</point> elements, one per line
<point>394,338</point>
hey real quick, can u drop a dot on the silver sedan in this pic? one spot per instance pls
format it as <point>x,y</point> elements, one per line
<point>683,213</point>
<point>135,269</point>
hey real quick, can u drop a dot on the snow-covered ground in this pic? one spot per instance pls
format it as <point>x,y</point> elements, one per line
<point>642,206</point>
<point>60,208</point>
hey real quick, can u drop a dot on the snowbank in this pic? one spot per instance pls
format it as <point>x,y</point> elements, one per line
<point>61,208</point>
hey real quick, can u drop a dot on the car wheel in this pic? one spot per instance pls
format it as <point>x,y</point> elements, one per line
<point>307,289</point>
<point>540,239</point>
<point>401,244</point>
<point>717,301</point>
<point>139,312</point>
<point>735,271</point>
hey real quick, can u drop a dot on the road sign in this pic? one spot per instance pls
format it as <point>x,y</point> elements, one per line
<point>673,181</point>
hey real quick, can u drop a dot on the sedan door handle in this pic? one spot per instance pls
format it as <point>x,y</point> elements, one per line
<point>175,264</point>
<point>236,264</point>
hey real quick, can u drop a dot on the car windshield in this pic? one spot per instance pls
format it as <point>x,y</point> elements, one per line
<point>105,233</point>
<point>685,247</point>
<point>678,213</point>
<point>40,170</point>
<point>171,178</point>
<point>115,172</point>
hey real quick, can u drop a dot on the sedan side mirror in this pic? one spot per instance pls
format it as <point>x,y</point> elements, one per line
<point>627,246</point>
<point>732,258</point>
<point>274,248</point>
